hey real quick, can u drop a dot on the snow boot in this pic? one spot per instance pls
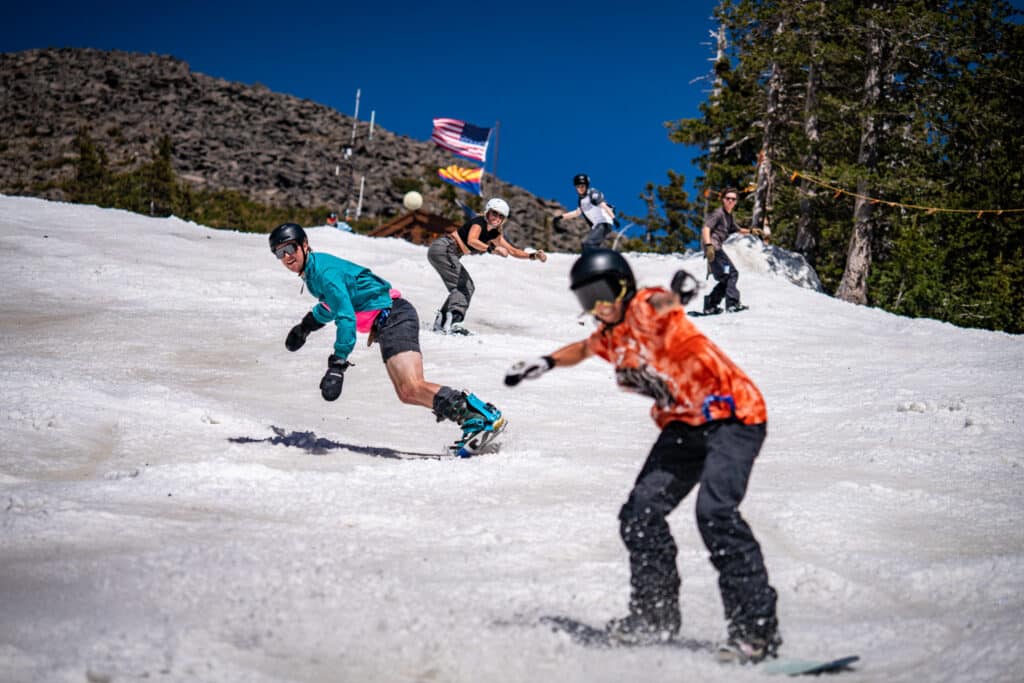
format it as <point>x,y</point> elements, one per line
<point>442,321</point>
<point>711,308</point>
<point>455,325</point>
<point>750,645</point>
<point>644,628</point>
<point>481,422</point>
<point>734,306</point>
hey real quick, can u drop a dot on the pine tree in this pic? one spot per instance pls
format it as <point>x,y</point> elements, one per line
<point>906,104</point>
<point>92,174</point>
<point>159,180</point>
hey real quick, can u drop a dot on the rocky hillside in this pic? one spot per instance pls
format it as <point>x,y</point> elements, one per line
<point>274,148</point>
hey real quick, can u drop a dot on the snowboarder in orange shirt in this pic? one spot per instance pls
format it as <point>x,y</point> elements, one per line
<point>713,421</point>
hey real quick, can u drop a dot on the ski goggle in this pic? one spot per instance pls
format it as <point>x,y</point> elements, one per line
<point>596,292</point>
<point>286,250</point>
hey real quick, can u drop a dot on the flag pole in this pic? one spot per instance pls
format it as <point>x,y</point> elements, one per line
<point>497,125</point>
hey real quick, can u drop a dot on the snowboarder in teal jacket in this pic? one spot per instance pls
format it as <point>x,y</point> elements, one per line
<point>343,288</point>
<point>355,299</point>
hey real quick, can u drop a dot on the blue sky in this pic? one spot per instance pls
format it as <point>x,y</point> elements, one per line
<point>576,86</point>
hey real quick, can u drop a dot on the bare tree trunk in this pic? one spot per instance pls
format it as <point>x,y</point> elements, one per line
<point>721,44</point>
<point>806,235</point>
<point>854,285</point>
<point>806,241</point>
<point>764,195</point>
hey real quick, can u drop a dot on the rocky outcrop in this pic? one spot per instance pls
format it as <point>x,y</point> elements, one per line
<point>272,147</point>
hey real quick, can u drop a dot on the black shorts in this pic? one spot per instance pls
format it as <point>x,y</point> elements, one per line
<point>400,331</point>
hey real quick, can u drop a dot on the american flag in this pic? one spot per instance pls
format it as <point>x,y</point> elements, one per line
<point>462,138</point>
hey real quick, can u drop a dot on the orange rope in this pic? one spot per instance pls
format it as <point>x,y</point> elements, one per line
<point>929,210</point>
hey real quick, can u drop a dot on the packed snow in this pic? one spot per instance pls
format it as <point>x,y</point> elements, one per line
<point>177,502</point>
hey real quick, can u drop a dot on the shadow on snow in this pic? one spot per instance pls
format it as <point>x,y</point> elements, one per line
<point>314,445</point>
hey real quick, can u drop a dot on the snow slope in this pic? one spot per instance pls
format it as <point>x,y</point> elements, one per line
<point>154,525</point>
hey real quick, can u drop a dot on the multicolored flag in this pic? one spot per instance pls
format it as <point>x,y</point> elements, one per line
<point>466,178</point>
<point>462,138</point>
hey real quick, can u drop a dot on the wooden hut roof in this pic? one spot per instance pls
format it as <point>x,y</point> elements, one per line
<point>419,227</point>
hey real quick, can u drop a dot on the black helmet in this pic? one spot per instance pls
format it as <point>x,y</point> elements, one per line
<point>601,275</point>
<point>581,179</point>
<point>287,232</point>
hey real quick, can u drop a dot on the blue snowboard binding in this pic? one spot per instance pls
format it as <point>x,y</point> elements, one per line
<point>480,428</point>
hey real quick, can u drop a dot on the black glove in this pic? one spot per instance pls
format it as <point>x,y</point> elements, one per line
<point>528,369</point>
<point>556,221</point>
<point>297,335</point>
<point>685,286</point>
<point>330,385</point>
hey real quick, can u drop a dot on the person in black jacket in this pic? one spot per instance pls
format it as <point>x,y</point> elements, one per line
<point>480,235</point>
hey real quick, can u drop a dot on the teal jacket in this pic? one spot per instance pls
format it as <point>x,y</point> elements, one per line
<point>343,288</point>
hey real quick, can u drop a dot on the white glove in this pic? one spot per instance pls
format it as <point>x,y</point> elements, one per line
<point>528,369</point>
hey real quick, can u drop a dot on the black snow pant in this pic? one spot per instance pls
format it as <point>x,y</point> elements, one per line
<point>445,256</point>
<point>719,456</point>
<point>596,236</point>
<point>726,276</point>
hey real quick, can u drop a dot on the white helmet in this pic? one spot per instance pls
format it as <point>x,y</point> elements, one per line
<point>497,205</point>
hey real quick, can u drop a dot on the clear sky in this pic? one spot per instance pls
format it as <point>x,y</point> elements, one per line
<point>577,86</point>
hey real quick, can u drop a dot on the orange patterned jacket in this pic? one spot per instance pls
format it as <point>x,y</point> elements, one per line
<point>663,355</point>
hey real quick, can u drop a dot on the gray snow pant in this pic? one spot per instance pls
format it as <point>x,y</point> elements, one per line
<point>444,255</point>
<point>597,235</point>
<point>726,276</point>
<point>719,456</point>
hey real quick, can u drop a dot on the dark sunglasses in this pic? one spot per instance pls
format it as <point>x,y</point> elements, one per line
<point>286,250</point>
<point>604,291</point>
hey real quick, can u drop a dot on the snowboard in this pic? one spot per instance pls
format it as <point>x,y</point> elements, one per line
<point>702,314</point>
<point>459,332</point>
<point>809,667</point>
<point>587,635</point>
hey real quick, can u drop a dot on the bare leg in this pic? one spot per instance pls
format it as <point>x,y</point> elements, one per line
<point>406,372</point>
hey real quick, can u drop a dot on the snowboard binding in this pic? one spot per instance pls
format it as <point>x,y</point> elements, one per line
<point>482,425</point>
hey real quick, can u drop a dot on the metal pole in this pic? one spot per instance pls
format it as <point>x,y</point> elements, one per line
<point>495,171</point>
<point>359,205</point>
<point>373,115</point>
<point>355,117</point>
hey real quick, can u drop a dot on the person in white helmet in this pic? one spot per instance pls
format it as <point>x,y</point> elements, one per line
<point>480,235</point>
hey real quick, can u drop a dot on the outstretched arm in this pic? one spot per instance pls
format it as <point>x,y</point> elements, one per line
<point>510,250</point>
<point>532,369</point>
<point>572,354</point>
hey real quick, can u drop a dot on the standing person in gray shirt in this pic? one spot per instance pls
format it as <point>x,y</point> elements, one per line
<point>717,228</point>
